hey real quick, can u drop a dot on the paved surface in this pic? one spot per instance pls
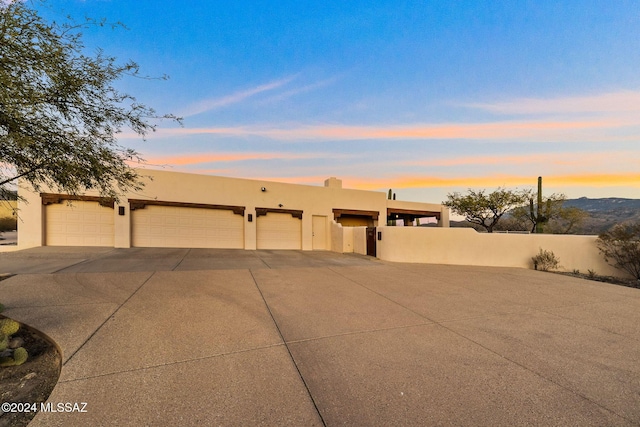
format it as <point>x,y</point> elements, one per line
<point>232,337</point>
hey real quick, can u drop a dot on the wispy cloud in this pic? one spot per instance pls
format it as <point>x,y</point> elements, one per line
<point>608,103</point>
<point>303,89</point>
<point>576,158</point>
<point>201,158</point>
<point>579,130</point>
<point>470,181</point>
<point>234,98</point>
<point>492,181</point>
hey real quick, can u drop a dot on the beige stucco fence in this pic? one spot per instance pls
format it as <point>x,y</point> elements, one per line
<point>467,247</point>
<point>348,239</point>
<point>464,246</point>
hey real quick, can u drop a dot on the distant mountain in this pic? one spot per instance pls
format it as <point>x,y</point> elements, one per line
<point>609,204</point>
<point>603,214</point>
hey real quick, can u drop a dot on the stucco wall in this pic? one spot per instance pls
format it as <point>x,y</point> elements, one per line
<point>463,246</point>
<point>207,189</point>
<point>341,238</point>
<point>360,240</point>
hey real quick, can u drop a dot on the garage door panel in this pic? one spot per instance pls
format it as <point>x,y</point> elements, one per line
<point>183,227</point>
<point>80,223</point>
<point>278,231</point>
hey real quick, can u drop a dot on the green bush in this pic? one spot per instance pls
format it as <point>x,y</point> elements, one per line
<point>20,356</point>
<point>9,357</point>
<point>4,342</point>
<point>545,260</point>
<point>8,326</point>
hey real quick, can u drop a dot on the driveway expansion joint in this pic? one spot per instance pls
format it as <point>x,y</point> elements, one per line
<point>180,262</point>
<point>177,362</point>
<point>609,331</point>
<point>539,375</point>
<point>293,360</point>
<point>108,319</point>
<point>366,331</point>
<point>595,390</point>
<point>582,396</point>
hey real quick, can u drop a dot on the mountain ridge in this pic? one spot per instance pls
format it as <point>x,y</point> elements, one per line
<point>604,213</point>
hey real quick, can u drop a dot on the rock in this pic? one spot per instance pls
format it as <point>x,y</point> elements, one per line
<point>16,342</point>
<point>29,376</point>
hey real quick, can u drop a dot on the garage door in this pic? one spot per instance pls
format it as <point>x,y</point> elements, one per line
<point>78,224</point>
<point>278,231</point>
<point>182,227</point>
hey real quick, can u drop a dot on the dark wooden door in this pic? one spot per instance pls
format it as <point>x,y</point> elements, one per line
<point>371,241</point>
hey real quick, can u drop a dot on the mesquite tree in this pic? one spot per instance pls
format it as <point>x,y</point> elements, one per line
<point>60,111</point>
<point>484,209</point>
<point>548,211</point>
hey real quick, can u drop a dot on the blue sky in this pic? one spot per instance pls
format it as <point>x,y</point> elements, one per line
<point>425,97</point>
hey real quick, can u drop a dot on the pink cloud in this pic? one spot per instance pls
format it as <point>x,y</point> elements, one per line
<point>555,158</point>
<point>616,102</point>
<point>528,130</point>
<point>488,181</point>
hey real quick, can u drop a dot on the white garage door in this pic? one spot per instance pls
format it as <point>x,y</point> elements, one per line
<point>279,231</point>
<point>181,227</point>
<point>78,224</point>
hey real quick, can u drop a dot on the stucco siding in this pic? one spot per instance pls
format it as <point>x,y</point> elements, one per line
<point>463,246</point>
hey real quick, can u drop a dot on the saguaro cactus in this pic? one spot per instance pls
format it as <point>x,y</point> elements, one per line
<point>536,214</point>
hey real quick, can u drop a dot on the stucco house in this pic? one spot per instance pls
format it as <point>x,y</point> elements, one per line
<point>203,211</point>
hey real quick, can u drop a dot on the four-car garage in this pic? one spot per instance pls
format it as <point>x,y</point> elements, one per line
<point>89,221</point>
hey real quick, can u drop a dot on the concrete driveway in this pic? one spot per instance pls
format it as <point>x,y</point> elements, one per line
<point>232,337</point>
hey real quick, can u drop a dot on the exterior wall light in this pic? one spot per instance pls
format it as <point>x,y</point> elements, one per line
<point>263,189</point>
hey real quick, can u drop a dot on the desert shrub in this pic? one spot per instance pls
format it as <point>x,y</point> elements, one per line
<point>621,247</point>
<point>545,260</point>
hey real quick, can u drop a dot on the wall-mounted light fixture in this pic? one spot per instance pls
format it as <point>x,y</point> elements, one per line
<point>250,217</point>
<point>379,235</point>
<point>280,205</point>
<point>120,210</point>
<point>263,189</point>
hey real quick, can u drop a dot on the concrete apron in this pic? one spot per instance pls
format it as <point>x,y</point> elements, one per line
<point>306,339</point>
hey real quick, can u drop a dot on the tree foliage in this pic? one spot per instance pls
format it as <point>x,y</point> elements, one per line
<point>552,213</point>
<point>543,211</point>
<point>567,220</point>
<point>484,209</point>
<point>621,247</point>
<point>60,112</point>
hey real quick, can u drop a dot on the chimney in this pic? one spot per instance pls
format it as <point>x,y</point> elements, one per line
<point>333,182</point>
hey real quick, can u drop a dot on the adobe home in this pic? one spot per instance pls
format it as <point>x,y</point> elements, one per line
<point>202,211</point>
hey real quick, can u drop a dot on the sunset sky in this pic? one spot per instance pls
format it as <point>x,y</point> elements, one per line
<point>425,97</point>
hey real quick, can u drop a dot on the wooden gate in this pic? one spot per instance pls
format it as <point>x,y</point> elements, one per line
<point>371,241</point>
